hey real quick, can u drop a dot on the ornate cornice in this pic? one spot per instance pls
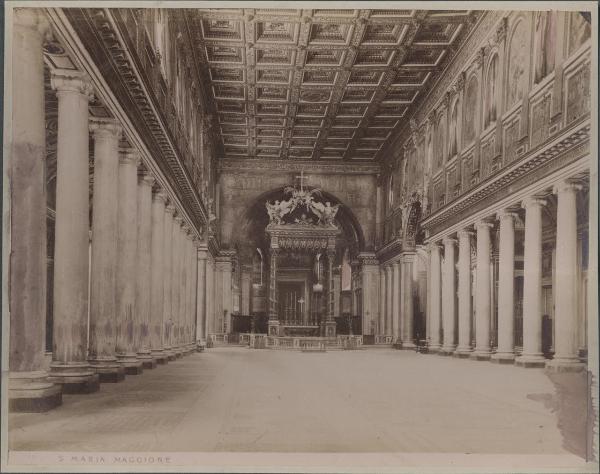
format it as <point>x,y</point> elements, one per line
<point>98,31</point>
<point>573,142</point>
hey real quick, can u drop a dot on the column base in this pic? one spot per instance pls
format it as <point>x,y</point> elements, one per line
<point>397,345</point>
<point>170,353</point>
<point>566,364</point>
<point>480,355</point>
<point>530,361</point>
<point>408,345</point>
<point>108,370</point>
<point>131,364</point>
<point>74,378</point>
<point>434,348</point>
<point>160,357</point>
<point>148,362</point>
<point>30,392</point>
<point>446,351</point>
<point>462,352</point>
<point>503,358</point>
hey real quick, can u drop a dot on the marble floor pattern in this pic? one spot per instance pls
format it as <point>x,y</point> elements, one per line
<point>372,400</point>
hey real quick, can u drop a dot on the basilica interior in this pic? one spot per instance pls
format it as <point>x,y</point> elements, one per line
<point>188,180</point>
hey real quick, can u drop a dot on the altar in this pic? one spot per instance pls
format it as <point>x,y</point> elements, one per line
<point>302,232</point>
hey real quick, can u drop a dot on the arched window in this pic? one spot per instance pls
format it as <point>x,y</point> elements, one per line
<point>491,92</point>
<point>453,135</point>
<point>518,60</point>
<point>471,92</point>
<point>544,44</point>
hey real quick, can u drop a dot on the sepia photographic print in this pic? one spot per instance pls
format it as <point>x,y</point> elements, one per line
<point>300,237</point>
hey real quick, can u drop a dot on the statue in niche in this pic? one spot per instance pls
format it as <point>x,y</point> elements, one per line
<point>453,136</point>
<point>545,34</point>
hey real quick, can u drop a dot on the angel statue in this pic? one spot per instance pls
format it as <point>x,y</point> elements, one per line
<point>329,213</point>
<point>273,212</point>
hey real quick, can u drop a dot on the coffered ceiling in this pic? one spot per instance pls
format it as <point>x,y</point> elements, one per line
<point>319,84</point>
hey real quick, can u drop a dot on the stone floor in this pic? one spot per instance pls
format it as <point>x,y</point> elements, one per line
<point>378,400</point>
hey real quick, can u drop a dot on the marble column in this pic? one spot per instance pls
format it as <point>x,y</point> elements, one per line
<point>449,297</point>
<point>389,291</point>
<point>382,303</point>
<point>565,316</point>
<point>532,285</point>
<point>330,326</point>
<point>210,297</point>
<point>435,298</point>
<point>127,268</point>
<point>396,313</point>
<point>273,319</point>
<point>103,284</point>
<point>157,279</point>
<point>176,286</point>
<point>144,269</point>
<point>464,348</point>
<point>28,389</point>
<point>201,298</point>
<point>483,296</point>
<point>69,365</point>
<point>407,301</point>
<point>505,352</point>
<point>168,282</point>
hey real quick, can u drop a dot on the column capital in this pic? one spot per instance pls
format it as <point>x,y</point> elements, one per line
<point>506,214</point>
<point>145,178</point>
<point>483,225</point>
<point>448,241</point>
<point>129,156</point>
<point>66,80</point>
<point>465,234</point>
<point>170,209</point>
<point>533,201</point>
<point>32,18</point>
<point>160,195</point>
<point>178,220</point>
<point>105,128</point>
<point>566,185</point>
<point>431,246</point>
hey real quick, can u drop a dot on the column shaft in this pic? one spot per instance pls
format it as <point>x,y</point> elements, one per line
<point>565,317</point>
<point>449,297</point>
<point>144,269</point>
<point>176,287</point>
<point>28,390</point>
<point>71,242</point>
<point>157,278</point>
<point>396,313</point>
<point>464,294</point>
<point>389,291</point>
<point>127,268</point>
<point>483,303</point>
<point>382,303</point>
<point>435,301</point>
<point>532,286</point>
<point>506,289</point>
<point>103,296</point>
<point>407,302</point>
<point>168,282</point>
<point>201,298</point>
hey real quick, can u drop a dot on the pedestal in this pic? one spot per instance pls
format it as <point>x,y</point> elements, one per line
<point>273,327</point>
<point>330,328</point>
<point>31,392</point>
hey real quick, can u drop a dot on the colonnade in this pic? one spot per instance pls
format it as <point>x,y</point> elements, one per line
<point>396,313</point>
<point>141,306</point>
<point>450,306</point>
